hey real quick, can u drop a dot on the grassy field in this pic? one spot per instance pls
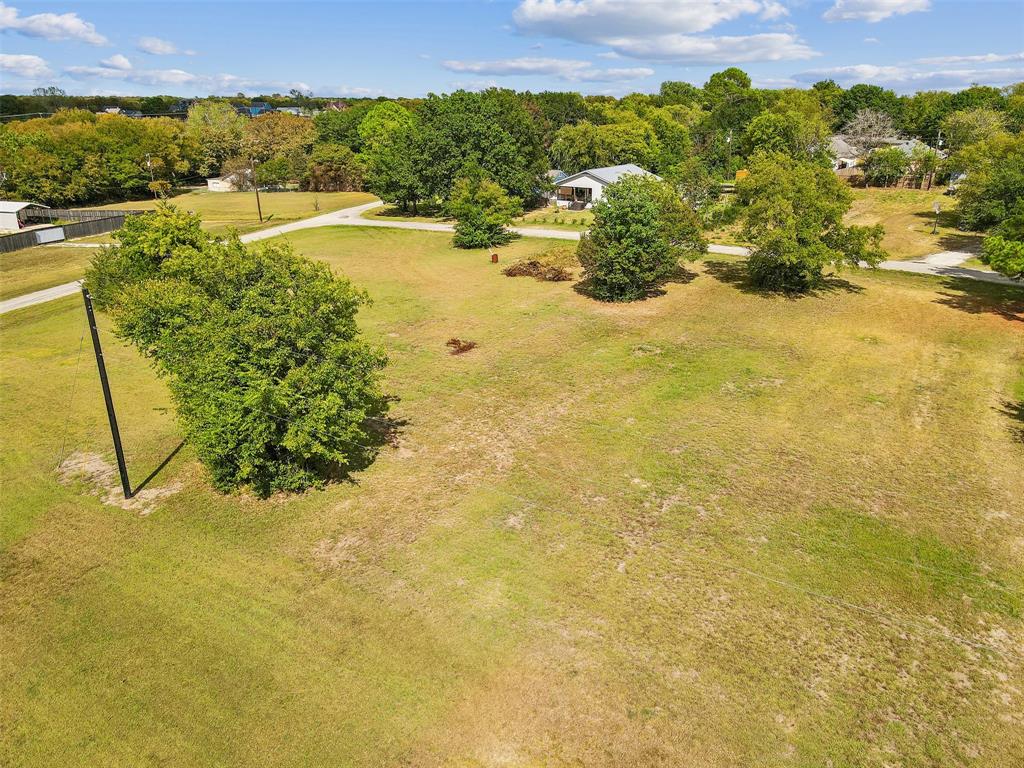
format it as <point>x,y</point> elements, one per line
<point>33,269</point>
<point>714,528</point>
<point>907,216</point>
<point>223,210</point>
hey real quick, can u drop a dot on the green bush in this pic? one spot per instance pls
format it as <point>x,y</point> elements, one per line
<point>272,384</point>
<point>1004,256</point>
<point>641,231</point>
<point>794,217</point>
<point>482,210</point>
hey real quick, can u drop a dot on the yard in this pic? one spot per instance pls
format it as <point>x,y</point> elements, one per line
<point>908,216</point>
<point>222,210</point>
<point>713,528</point>
<point>33,269</point>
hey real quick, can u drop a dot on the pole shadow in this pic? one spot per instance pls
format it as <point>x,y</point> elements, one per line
<point>159,469</point>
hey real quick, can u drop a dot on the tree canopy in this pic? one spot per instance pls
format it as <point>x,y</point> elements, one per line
<point>794,217</point>
<point>642,230</point>
<point>271,381</point>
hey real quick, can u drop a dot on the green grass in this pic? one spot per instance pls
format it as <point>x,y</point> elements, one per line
<point>224,210</point>
<point>908,217</point>
<point>713,528</point>
<point>32,269</point>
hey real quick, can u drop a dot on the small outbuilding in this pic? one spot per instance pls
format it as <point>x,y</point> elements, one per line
<point>13,214</point>
<point>581,190</point>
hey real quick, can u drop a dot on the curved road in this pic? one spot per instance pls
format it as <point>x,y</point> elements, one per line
<point>945,264</point>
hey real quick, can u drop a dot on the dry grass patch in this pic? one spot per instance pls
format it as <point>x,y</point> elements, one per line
<point>713,528</point>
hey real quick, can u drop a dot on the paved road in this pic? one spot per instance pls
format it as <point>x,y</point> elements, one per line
<point>945,264</point>
<point>47,294</point>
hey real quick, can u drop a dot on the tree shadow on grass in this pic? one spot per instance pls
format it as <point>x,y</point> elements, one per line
<point>969,242</point>
<point>977,297</point>
<point>381,432</point>
<point>735,273</point>
<point>1015,412</point>
<point>680,276</point>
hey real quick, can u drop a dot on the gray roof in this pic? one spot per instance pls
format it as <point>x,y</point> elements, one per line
<point>12,206</point>
<point>842,148</point>
<point>612,173</point>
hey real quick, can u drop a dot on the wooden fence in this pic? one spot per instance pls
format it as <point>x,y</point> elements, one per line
<point>84,223</point>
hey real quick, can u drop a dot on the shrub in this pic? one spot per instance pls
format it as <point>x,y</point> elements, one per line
<point>641,231</point>
<point>1004,256</point>
<point>794,217</point>
<point>272,384</point>
<point>483,211</point>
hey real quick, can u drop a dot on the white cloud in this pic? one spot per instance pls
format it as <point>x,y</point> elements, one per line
<point>50,26</point>
<point>694,49</point>
<point>24,65</point>
<point>910,78</point>
<point>186,81</point>
<point>774,82</point>
<point>984,58</point>
<point>564,69</point>
<point>592,20</point>
<point>871,40</point>
<point>873,11</point>
<point>117,61</point>
<point>159,47</point>
<point>663,29</point>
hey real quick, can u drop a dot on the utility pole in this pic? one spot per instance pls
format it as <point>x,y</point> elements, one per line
<point>149,165</point>
<point>111,416</point>
<point>256,186</point>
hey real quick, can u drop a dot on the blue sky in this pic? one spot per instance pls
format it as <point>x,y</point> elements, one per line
<point>412,48</point>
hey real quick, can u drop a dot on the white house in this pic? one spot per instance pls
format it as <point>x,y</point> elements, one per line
<point>9,209</point>
<point>230,182</point>
<point>583,189</point>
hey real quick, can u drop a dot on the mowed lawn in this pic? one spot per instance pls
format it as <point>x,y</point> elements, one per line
<point>224,210</point>
<point>908,216</point>
<point>33,269</point>
<point>714,528</point>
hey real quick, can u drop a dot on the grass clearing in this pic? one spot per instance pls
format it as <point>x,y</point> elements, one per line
<point>908,216</point>
<point>224,210</point>
<point>712,528</point>
<point>33,269</point>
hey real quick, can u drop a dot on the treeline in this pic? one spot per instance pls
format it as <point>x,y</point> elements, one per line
<point>411,152</point>
<point>49,100</point>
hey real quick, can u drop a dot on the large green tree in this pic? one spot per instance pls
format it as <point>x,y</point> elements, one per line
<point>271,381</point>
<point>641,232</point>
<point>215,128</point>
<point>482,211</point>
<point>794,217</point>
<point>994,181</point>
<point>490,130</point>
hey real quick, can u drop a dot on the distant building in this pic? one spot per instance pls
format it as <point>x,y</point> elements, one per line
<point>337,106</point>
<point>297,111</point>
<point>255,109</point>
<point>13,214</point>
<point>121,111</point>
<point>848,155</point>
<point>583,189</point>
<point>230,182</point>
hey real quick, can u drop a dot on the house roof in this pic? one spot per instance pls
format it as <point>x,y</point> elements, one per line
<point>12,206</point>
<point>556,175</point>
<point>611,174</point>
<point>842,148</point>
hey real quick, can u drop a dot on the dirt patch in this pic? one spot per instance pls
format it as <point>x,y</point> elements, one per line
<point>102,477</point>
<point>331,553</point>
<point>459,346</point>
<point>539,271</point>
